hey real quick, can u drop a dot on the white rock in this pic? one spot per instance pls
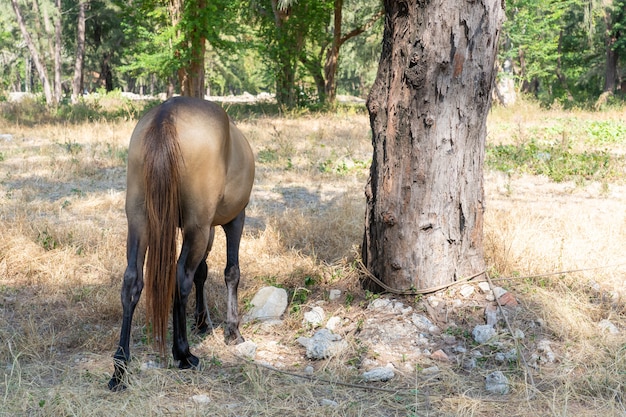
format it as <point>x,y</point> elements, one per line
<point>497,383</point>
<point>469,364</point>
<point>499,291</point>
<point>423,324</point>
<point>430,370</point>
<point>150,365</point>
<point>269,303</point>
<point>315,317</point>
<point>328,403</point>
<point>379,374</point>
<point>246,349</point>
<point>433,301</point>
<point>323,344</point>
<point>333,323</point>
<point>380,304</point>
<point>607,326</point>
<point>201,399</point>
<point>309,370</point>
<point>334,295</point>
<point>482,333</point>
<point>547,355</point>
<point>484,287</point>
<point>491,315</point>
<point>466,290</point>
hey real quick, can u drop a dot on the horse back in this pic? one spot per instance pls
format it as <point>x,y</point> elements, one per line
<point>217,163</point>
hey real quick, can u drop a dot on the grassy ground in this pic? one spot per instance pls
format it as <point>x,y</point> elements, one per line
<point>62,256</point>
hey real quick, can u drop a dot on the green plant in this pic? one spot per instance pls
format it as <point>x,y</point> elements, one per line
<point>47,240</point>
<point>556,162</point>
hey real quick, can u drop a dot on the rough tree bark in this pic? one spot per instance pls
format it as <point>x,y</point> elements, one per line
<point>428,110</point>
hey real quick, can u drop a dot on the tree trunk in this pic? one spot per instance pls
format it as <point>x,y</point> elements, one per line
<point>428,109</point>
<point>610,75</point>
<point>58,88</point>
<point>37,58</point>
<point>191,72</point>
<point>332,55</point>
<point>314,68</point>
<point>192,46</point>
<point>77,81</point>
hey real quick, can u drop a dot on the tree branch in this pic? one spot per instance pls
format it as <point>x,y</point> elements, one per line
<point>358,30</point>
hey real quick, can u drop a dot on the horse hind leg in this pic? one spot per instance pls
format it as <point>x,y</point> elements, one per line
<point>203,322</point>
<point>233,231</point>
<point>131,291</point>
<point>193,253</point>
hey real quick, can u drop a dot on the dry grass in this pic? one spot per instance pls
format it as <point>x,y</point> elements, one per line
<point>62,255</point>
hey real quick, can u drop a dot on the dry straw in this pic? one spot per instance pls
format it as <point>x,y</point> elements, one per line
<point>62,256</point>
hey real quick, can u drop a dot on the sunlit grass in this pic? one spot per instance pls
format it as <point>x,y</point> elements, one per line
<point>62,256</point>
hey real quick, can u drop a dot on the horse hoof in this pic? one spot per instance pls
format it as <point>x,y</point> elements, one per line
<point>233,337</point>
<point>190,362</point>
<point>116,385</point>
<point>202,329</point>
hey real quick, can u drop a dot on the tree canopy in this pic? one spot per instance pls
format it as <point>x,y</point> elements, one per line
<point>303,51</point>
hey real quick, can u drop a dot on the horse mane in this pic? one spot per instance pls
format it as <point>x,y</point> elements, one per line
<point>161,177</point>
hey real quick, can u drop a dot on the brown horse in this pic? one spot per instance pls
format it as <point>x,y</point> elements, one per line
<point>189,167</point>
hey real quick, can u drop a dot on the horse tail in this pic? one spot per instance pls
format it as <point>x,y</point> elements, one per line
<point>161,176</point>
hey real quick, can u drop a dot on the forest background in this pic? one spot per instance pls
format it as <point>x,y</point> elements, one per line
<point>567,53</point>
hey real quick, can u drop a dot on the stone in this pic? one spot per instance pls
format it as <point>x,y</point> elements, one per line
<point>381,304</point>
<point>201,399</point>
<point>460,349</point>
<point>423,324</point>
<point>484,287</point>
<point>324,402</point>
<point>507,299</point>
<point>497,383</point>
<point>448,339</point>
<point>483,333</point>
<point>269,303</point>
<point>545,351</point>
<point>333,323</point>
<point>309,370</point>
<point>150,365</point>
<point>315,317</point>
<point>434,301</point>
<point>440,355</point>
<point>469,364</point>
<point>334,295</point>
<point>491,315</point>
<point>379,374</point>
<point>466,291</point>
<point>607,326</point>
<point>323,344</point>
<point>246,349</point>
<point>430,370</point>
<point>499,291</point>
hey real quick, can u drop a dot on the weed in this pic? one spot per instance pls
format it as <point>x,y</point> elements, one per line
<point>267,156</point>
<point>47,240</point>
<point>552,161</point>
